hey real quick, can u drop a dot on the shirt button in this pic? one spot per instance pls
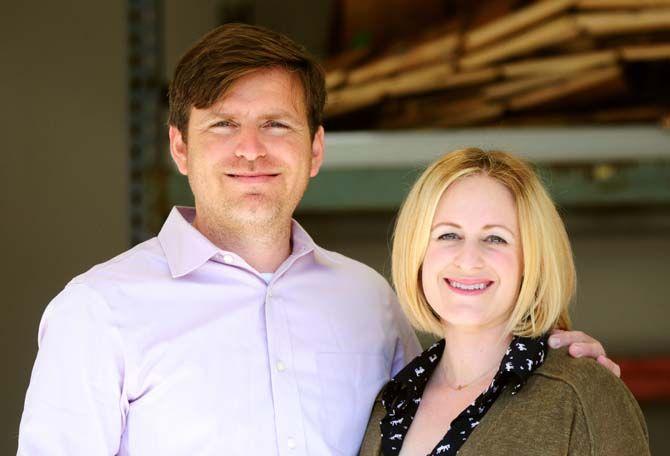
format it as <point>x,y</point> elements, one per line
<point>290,442</point>
<point>228,259</point>
<point>281,367</point>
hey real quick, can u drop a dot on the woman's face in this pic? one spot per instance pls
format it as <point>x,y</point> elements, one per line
<point>471,273</point>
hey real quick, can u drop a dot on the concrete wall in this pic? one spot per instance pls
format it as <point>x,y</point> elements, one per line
<point>63,203</point>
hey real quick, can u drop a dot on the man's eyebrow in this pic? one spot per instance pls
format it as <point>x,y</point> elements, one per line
<point>274,114</point>
<point>280,114</point>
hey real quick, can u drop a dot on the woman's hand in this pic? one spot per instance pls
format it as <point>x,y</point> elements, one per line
<point>580,344</point>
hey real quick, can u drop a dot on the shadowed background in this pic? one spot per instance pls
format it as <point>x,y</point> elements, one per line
<point>66,200</point>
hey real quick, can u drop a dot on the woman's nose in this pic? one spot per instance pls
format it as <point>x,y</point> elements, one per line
<point>469,256</point>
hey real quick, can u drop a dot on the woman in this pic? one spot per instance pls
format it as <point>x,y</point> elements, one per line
<point>481,258</point>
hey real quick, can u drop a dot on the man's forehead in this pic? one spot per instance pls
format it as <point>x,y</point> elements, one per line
<point>285,90</point>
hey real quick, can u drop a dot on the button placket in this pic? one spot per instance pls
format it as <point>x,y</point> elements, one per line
<point>288,412</point>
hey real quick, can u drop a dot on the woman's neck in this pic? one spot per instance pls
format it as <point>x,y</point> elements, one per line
<point>472,354</point>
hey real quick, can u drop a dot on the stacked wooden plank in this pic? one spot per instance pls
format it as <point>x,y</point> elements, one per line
<point>547,53</point>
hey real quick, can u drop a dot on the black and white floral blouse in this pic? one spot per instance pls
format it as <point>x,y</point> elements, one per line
<point>402,395</point>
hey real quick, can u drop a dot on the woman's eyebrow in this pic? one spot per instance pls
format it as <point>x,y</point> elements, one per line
<point>453,225</point>
<point>485,227</point>
<point>491,226</point>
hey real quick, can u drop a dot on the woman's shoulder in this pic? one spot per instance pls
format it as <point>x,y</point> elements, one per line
<point>584,376</point>
<point>608,414</point>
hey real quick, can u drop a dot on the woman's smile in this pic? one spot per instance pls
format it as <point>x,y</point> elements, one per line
<point>468,286</point>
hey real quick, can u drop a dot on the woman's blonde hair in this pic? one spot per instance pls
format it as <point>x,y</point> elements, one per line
<point>548,282</point>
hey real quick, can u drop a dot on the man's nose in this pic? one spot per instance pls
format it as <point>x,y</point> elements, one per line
<point>469,256</point>
<point>250,147</point>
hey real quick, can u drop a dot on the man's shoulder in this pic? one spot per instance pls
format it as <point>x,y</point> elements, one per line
<point>349,267</point>
<point>133,264</point>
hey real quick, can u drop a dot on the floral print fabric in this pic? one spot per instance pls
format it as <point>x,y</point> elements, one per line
<point>402,395</point>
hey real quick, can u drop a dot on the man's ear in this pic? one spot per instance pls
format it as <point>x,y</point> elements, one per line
<point>317,152</point>
<point>178,150</point>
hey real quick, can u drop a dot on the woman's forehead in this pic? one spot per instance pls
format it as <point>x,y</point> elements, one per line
<point>477,198</point>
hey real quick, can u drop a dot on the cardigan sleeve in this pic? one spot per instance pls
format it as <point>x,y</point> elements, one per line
<point>372,441</point>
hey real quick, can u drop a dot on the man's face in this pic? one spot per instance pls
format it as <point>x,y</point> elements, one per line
<point>249,156</point>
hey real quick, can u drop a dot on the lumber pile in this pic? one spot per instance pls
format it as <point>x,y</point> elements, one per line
<point>553,61</point>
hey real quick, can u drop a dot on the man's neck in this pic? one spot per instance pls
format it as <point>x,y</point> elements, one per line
<point>263,248</point>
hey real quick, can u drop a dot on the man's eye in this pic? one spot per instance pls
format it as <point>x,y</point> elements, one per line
<point>223,124</point>
<point>448,237</point>
<point>275,124</point>
<point>493,239</point>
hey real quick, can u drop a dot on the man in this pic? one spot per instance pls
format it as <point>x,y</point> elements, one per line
<point>231,332</point>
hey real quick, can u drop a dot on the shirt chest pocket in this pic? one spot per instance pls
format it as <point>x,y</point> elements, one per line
<point>349,384</point>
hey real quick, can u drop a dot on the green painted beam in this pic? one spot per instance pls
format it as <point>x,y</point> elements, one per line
<point>606,184</point>
<point>596,185</point>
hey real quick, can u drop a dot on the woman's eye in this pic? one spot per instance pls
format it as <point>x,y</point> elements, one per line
<point>448,237</point>
<point>493,239</point>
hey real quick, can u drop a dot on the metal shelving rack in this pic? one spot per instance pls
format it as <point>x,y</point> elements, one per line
<point>147,189</point>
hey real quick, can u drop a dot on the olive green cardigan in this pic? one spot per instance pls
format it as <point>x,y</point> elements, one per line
<point>568,407</point>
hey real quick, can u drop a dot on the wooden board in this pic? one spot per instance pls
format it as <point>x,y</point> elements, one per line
<point>435,77</point>
<point>351,99</point>
<point>435,50</point>
<point>404,85</point>
<point>417,81</point>
<point>335,79</point>
<point>618,23</point>
<point>355,97</point>
<point>515,22</point>
<point>566,87</point>
<point>649,52</point>
<point>555,32</point>
<point>513,87</point>
<point>468,112</point>
<point>562,64</point>
<point>620,4</point>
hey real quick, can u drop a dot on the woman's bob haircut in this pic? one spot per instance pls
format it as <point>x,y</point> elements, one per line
<point>548,282</point>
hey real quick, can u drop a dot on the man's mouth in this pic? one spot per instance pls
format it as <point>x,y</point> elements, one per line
<point>469,286</point>
<point>252,178</point>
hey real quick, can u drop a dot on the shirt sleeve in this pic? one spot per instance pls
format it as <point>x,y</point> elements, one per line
<point>407,344</point>
<point>75,404</point>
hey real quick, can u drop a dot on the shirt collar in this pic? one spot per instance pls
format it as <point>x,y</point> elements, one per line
<point>522,357</point>
<point>410,382</point>
<point>186,248</point>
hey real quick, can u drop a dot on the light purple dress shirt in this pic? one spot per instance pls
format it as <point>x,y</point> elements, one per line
<point>178,348</point>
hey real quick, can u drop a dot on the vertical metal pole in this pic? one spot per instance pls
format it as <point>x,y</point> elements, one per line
<point>146,112</point>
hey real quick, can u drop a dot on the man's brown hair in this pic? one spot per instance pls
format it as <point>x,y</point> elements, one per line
<point>231,51</point>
